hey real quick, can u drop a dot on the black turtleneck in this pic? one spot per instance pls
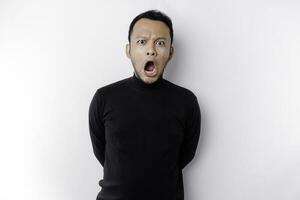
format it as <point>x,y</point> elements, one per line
<point>143,135</point>
<point>142,84</point>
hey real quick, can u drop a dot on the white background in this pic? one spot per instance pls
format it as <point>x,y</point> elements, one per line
<point>241,59</point>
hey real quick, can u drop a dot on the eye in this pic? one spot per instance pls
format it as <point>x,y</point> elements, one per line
<point>141,41</point>
<point>161,43</point>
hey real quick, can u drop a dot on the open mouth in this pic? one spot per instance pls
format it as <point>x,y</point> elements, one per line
<point>149,66</point>
<point>150,69</point>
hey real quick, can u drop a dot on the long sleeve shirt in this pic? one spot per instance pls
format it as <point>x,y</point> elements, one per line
<point>143,135</point>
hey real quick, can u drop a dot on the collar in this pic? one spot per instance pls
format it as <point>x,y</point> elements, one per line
<point>137,82</point>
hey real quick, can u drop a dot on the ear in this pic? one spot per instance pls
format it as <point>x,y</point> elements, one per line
<point>171,52</point>
<point>128,50</point>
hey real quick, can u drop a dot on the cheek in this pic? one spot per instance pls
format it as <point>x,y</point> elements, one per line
<point>137,55</point>
<point>164,57</point>
<point>164,53</point>
<point>138,51</point>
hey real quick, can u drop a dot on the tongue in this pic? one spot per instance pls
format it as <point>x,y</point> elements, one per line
<point>150,66</point>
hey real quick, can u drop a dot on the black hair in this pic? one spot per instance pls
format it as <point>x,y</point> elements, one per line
<point>154,15</point>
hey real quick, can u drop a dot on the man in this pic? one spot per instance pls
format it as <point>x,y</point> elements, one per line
<point>145,129</point>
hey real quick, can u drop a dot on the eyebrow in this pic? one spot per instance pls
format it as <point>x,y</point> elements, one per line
<point>156,38</point>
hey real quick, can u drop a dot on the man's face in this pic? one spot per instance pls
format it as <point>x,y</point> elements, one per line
<point>150,41</point>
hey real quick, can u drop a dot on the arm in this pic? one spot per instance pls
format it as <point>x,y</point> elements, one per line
<point>191,134</point>
<point>96,127</point>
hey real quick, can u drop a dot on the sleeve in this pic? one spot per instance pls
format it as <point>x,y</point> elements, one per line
<point>191,135</point>
<point>96,127</point>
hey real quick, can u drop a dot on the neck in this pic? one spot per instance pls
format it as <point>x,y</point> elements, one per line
<point>137,82</point>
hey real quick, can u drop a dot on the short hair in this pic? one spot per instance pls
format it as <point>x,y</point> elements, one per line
<point>154,15</point>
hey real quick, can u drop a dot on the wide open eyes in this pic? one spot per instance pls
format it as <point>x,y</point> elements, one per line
<point>141,41</point>
<point>159,43</point>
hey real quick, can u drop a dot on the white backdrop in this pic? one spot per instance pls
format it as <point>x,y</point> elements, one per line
<point>241,59</point>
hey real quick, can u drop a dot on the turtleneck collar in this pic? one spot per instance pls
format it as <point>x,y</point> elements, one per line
<point>141,84</point>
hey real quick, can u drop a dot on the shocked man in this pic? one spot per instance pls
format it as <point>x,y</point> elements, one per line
<point>145,129</point>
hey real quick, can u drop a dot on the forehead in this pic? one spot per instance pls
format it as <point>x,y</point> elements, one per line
<point>147,27</point>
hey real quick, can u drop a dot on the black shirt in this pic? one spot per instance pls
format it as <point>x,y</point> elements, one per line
<point>143,135</point>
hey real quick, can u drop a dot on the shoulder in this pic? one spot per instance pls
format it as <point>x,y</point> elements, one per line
<point>112,87</point>
<point>185,96</point>
<point>182,91</point>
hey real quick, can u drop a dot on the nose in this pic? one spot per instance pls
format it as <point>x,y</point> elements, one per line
<point>151,52</point>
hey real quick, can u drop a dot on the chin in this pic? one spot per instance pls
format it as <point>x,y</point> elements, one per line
<point>148,79</point>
